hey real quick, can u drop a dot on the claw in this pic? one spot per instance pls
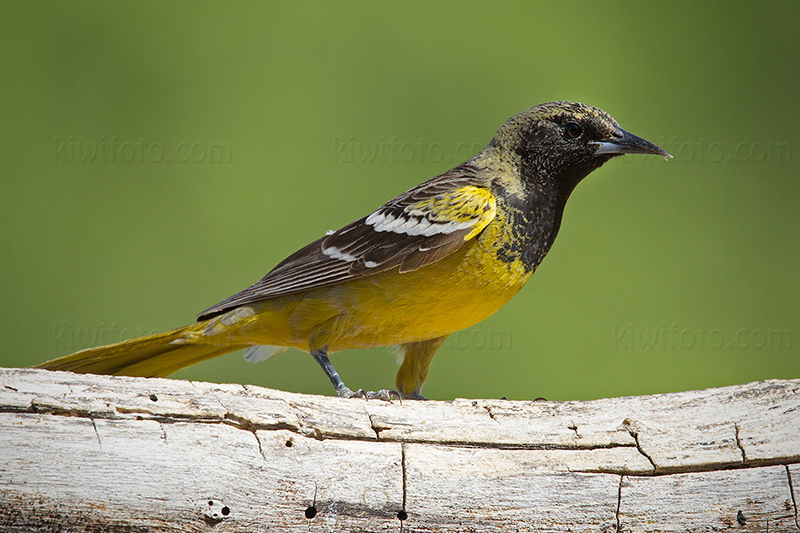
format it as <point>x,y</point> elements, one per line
<point>347,392</point>
<point>385,394</point>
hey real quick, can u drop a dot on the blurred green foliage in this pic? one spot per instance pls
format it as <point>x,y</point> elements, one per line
<point>159,157</point>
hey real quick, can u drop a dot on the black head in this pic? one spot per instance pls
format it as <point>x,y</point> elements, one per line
<point>565,141</point>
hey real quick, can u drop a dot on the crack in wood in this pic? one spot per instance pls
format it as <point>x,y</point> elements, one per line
<point>247,425</point>
<point>214,394</point>
<point>619,504</point>
<point>511,446</point>
<point>405,475</point>
<point>96,434</point>
<point>635,434</point>
<point>238,421</point>
<point>791,492</point>
<point>574,427</point>
<point>375,427</point>
<point>258,441</point>
<point>739,443</point>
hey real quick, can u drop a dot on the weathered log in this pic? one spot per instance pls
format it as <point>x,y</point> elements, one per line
<point>118,454</point>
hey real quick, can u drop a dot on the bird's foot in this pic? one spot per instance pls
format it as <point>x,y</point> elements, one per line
<point>412,396</point>
<point>385,394</point>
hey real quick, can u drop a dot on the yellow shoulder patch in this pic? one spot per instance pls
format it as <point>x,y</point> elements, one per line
<point>465,207</point>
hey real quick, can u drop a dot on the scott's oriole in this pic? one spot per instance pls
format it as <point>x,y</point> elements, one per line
<point>437,259</point>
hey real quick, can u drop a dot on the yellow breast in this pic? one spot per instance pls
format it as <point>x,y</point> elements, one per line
<point>449,295</point>
<point>391,308</point>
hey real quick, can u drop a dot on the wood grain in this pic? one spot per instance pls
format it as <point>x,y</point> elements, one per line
<point>99,453</point>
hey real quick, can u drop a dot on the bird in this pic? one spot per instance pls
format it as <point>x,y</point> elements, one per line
<point>437,259</point>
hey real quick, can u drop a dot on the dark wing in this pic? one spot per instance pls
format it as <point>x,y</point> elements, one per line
<point>419,227</point>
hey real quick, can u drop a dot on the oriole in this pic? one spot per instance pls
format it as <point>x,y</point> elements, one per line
<point>439,258</point>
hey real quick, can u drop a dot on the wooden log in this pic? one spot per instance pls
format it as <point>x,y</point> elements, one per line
<point>92,453</point>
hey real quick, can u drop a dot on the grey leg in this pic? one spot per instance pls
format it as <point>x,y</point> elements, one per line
<point>321,357</point>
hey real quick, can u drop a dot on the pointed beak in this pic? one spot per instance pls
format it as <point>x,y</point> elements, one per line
<point>625,142</point>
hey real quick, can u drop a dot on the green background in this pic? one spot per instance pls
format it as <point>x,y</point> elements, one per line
<point>666,275</point>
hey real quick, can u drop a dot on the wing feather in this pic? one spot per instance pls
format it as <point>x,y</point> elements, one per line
<point>417,228</point>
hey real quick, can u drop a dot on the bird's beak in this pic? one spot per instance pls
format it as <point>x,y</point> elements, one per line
<point>625,142</point>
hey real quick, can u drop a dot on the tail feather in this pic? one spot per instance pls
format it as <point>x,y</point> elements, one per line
<point>156,355</point>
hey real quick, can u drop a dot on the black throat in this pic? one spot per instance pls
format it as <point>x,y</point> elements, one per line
<point>534,216</point>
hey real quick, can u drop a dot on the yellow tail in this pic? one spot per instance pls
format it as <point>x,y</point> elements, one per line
<point>156,355</point>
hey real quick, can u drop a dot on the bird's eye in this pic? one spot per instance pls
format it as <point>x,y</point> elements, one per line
<point>572,130</point>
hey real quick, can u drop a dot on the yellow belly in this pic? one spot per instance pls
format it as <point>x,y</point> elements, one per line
<point>452,294</point>
<point>389,308</point>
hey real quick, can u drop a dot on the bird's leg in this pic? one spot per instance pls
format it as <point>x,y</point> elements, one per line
<point>415,358</point>
<point>321,357</point>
